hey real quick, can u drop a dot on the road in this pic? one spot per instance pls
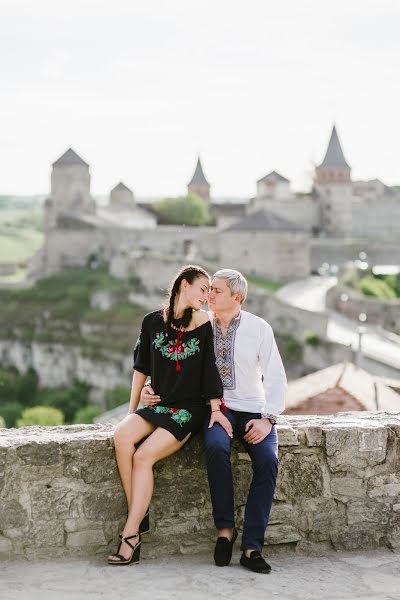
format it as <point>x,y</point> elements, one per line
<point>310,294</point>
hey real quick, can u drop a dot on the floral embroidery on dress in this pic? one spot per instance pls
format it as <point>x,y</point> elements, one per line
<point>175,352</point>
<point>179,415</point>
<point>138,341</point>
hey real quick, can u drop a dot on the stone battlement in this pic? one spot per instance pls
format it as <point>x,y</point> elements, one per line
<point>338,487</point>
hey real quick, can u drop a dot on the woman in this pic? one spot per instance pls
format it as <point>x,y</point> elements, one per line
<point>175,347</point>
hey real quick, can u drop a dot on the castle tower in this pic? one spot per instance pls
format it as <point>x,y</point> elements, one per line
<point>70,185</point>
<point>334,168</point>
<point>198,184</point>
<point>334,188</point>
<point>121,197</point>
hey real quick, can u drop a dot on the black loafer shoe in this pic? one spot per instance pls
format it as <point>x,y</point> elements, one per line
<point>223,550</point>
<point>255,562</point>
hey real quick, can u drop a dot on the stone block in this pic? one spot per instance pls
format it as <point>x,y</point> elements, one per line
<point>394,537</point>
<point>314,436</point>
<point>49,503</point>
<point>40,534</point>
<point>282,513</point>
<point>382,486</point>
<point>104,504</point>
<point>287,436</point>
<point>324,515</point>
<point>367,512</point>
<point>92,466</point>
<point>350,447</point>
<point>356,537</point>
<point>5,547</point>
<point>282,534</point>
<point>299,476</point>
<point>88,537</point>
<point>243,456</point>
<point>351,487</point>
<point>79,524</point>
<point>40,453</point>
<point>12,514</point>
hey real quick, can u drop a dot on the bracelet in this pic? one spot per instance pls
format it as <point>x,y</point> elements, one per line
<point>216,410</point>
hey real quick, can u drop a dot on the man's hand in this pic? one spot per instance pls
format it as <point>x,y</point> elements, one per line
<point>257,430</point>
<point>148,397</point>
<point>218,417</point>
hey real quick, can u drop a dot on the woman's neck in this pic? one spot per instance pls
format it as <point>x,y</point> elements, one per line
<point>180,305</point>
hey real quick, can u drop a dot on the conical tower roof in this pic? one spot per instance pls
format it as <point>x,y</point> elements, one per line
<point>198,175</point>
<point>121,187</point>
<point>334,156</point>
<point>69,158</point>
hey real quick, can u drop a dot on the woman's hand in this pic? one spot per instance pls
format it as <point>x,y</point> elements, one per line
<point>218,417</point>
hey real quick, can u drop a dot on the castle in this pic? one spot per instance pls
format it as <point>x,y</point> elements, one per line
<point>269,236</point>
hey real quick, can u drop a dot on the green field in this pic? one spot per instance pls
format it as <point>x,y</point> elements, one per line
<point>20,233</point>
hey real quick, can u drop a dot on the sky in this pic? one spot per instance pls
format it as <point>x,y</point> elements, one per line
<point>139,89</point>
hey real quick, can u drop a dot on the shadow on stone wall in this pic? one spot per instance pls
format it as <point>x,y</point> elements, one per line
<point>338,487</point>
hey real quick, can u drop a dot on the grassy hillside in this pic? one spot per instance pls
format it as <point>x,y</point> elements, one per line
<point>20,231</point>
<point>54,309</point>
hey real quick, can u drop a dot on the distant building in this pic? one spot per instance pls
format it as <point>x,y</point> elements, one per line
<point>340,388</point>
<point>198,184</point>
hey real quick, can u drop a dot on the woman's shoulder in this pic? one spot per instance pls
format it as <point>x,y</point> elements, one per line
<point>152,317</point>
<point>199,318</point>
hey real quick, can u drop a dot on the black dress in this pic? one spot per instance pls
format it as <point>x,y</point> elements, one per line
<point>183,373</point>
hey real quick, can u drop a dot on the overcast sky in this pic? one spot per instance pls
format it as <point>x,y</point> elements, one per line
<point>138,89</point>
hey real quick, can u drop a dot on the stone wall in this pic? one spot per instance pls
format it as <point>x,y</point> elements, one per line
<point>338,487</point>
<point>285,318</point>
<point>279,256</point>
<point>339,251</point>
<point>385,313</point>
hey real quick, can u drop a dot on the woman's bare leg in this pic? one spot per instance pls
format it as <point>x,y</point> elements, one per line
<point>160,444</point>
<point>127,433</point>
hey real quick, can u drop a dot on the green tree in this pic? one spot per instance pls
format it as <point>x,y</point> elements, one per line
<point>41,415</point>
<point>371,286</point>
<point>9,384</point>
<point>2,423</point>
<point>28,387</point>
<point>67,400</point>
<point>10,411</point>
<point>186,210</point>
<point>117,396</point>
<point>87,414</point>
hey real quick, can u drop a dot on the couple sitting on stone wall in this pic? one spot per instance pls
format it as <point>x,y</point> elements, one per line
<point>220,371</point>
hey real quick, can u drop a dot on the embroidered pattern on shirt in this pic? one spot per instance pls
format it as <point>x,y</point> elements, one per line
<point>224,348</point>
<point>138,341</point>
<point>179,415</point>
<point>169,349</point>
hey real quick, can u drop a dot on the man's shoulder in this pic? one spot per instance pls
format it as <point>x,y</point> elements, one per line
<point>252,319</point>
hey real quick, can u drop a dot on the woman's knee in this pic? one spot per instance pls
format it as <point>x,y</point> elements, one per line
<point>143,456</point>
<point>123,435</point>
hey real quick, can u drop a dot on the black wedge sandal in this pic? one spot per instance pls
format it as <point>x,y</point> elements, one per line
<point>134,558</point>
<point>145,524</point>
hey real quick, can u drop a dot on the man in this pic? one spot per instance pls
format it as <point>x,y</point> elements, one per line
<point>254,383</point>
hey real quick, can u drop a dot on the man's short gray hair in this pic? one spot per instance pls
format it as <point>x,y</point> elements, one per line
<point>235,281</point>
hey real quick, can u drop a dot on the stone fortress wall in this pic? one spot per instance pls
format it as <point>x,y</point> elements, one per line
<point>338,487</point>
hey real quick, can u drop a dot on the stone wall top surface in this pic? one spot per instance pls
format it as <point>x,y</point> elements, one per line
<point>338,487</point>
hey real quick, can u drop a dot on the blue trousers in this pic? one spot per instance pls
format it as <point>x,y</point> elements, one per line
<point>264,460</point>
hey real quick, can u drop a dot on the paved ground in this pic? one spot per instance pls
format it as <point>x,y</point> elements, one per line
<point>371,575</point>
<point>310,294</point>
